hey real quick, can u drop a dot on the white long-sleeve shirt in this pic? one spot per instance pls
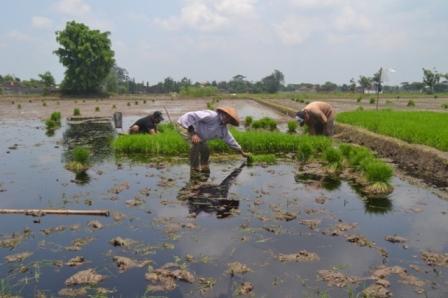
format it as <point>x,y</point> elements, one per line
<point>208,126</point>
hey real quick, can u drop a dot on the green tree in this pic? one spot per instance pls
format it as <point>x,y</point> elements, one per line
<point>365,82</point>
<point>430,79</point>
<point>352,85</point>
<point>87,56</point>
<point>47,80</point>
<point>273,82</point>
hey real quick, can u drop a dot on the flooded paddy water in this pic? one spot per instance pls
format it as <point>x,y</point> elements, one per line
<point>264,231</point>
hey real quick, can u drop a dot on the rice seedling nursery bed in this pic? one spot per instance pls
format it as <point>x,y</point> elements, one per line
<point>295,223</point>
<point>418,127</point>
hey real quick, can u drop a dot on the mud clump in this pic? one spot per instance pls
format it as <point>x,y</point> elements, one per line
<point>164,278</point>
<point>88,276</point>
<point>18,257</point>
<point>376,291</point>
<point>339,229</point>
<point>15,239</point>
<point>434,259</point>
<point>313,224</point>
<point>245,289</point>
<point>360,240</point>
<point>95,225</point>
<point>122,242</point>
<point>237,268</point>
<point>75,261</point>
<point>395,239</point>
<point>124,263</point>
<point>79,243</point>
<point>301,256</point>
<point>337,279</point>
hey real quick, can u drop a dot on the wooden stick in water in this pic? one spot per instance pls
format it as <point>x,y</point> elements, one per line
<point>40,212</point>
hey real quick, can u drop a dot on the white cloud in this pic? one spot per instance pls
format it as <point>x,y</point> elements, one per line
<point>349,19</point>
<point>316,3</point>
<point>295,30</point>
<point>72,7</point>
<point>19,36</point>
<point>208,15</point>
<point>41,22</point>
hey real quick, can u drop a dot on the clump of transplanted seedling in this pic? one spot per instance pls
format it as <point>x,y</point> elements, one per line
<point>53,122</point>
<point>292,126</point>
<point>376,172</point>
<point>76,112</point>
<point>265,123</point>
<point>79,162</point>
<point>263,159</point>
<point>248,121</point>
<point>97,109</point>
<point>333,157</point>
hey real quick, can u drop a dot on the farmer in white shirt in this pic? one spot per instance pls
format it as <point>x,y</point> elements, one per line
<point>200,126</point>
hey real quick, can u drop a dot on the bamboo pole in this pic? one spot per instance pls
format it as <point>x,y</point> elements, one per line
<point>41,212</point>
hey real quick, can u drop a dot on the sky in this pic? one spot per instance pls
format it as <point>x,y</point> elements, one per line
<point>311,41</point>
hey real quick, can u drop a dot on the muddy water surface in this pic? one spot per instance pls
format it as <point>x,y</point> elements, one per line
<point>259,230</point>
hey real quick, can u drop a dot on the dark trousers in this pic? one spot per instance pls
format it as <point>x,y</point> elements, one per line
<point>199,155</point>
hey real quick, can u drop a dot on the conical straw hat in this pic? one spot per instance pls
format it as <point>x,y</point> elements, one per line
<point>235,120</point>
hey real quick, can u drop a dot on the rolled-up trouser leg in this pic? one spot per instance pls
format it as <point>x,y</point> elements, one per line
<point>205,154</point>
<point>329,127</point>
<point>195,152</point>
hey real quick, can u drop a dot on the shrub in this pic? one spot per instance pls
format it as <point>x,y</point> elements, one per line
<point>411,103</point>
<point>76,112</point>
<point>292,126</point>
<point>248,121</point>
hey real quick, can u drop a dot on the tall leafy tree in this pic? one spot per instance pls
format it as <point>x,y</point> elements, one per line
<point>430,79</point>
<point>365,82</point>
<point>87,56</point>
<point>47,80</point>
<point>273,82</point>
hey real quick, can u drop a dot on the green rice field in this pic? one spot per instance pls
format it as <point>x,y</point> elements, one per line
<point>418,127</point>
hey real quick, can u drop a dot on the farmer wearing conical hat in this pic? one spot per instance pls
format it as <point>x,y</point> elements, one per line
<point>319,117</point>
<point>200,126</point>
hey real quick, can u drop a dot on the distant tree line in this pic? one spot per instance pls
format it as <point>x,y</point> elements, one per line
<point>90,68</point>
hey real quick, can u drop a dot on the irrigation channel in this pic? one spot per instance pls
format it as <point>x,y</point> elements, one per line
<point>262,230</point>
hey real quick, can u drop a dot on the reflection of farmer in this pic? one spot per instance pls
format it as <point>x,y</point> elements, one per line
<point>147,124</point>
<point>206,197</point>
<point>201,126</point>
<point>319,117</point>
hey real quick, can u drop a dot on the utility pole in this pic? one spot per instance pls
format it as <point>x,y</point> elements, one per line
<point>379,87</point>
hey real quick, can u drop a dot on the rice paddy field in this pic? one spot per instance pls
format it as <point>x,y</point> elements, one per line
<point>291,222</point>
<point>418,127</point>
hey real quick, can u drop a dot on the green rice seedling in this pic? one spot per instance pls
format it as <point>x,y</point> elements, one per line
<point>360,108</point>
<point>377,171</point>
<point>52,124</point>
<point>13,102</point>
<point>345,149</point>
<point>265,123</point>
<point>444,106</point>
<point>76,112</point>
<point>58,103</point>
<point>210,105</point>
<point>19,106</point>
<point>136,103</point>
<point>359,99</point>
<point>266,159</point>
<point>248,121</point>
<point>44,104</point>
<point>436,96</point>
<point>388,102</point>
<point>304,151</point>
<point>97,109</point>
<point>81,154</point>
<point>114,107</point>
<point>411,103</point>
<point>372,100</point>
<point>419,127</point>
<point>358,156</point>
<point>30,101</point>
<point>128,104</point>
<point>83,100</point>
<point>56,116</point>
<point>292,126</point>
<point>334,158</point>
<point>144,101</point>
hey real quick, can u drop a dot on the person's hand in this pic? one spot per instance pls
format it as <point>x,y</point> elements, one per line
<point>195,139</point>
<point>245,154</point>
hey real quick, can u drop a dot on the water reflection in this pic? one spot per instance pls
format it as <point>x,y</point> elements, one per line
<point>378,205</point>
<point>327,182</point>
<point>95,134</point>
<point>82,178</point>
<point>210,198</point>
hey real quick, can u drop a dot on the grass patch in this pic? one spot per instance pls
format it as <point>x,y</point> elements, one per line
<point>428,128</point>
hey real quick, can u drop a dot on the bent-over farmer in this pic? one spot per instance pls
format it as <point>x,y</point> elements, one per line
<point>147,124</point>
<point>200,126</point>
<point>319,117</point>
